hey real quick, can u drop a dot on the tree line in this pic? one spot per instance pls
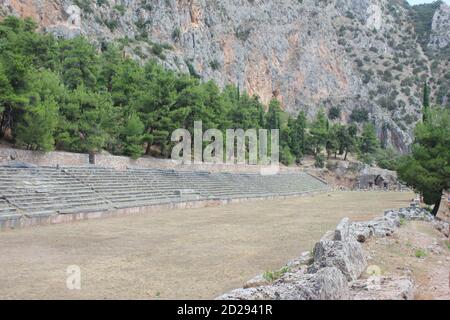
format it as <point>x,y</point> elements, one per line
<point>66,94</point>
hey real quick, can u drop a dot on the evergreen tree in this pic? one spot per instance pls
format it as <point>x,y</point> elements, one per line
<point>332,144</point>
<point>273,118</point>
<point>319,132</point>
<point>79,63</point>
<point>427,169</point>
<point>133,136</point>
<point>298,135</point>
<point>426,100</point>
<point>368,143</point>
<point>346,140</point>
<point>36,130</point>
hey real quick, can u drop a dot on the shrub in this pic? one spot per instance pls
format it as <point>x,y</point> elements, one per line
<point>243,34</point>
<point>158,50</point>
<point>334,113</point>
<point>215,65</point>
<point>192,70</point>
<point>111,24</point>
<point>420,253</point>
<point>319,161</point>
<point>176,34</point>
<point>359,115</point>
<point>286,156</point>
<point>271,276</point>
<point>120,8</point>
<point>84,5</point>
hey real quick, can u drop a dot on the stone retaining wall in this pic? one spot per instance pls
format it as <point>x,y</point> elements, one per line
<point>55,158</point>
<point>28,221</point>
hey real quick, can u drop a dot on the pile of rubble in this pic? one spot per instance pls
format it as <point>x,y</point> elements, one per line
<point>333,270</point>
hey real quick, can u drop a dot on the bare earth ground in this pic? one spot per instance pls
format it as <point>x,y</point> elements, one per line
<point>183,253</point>
<point>430,269</point>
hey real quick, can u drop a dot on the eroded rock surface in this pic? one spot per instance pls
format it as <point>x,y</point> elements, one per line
<point>338,268</point>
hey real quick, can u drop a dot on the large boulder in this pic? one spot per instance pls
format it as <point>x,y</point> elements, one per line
<point>413,212</point>
<point>326,284</point>
<point>361,231</point>
<point>383,288</point>
<point>384,226</point>
<point>442,226</point>
<point>342,232</point>
<point>347,256</point>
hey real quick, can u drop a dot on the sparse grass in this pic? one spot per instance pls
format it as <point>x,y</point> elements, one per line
<point>420,253</point>
<point>271,276</point>
<point>189,258</point>
<point>402,221</point>
<point>448,244</point>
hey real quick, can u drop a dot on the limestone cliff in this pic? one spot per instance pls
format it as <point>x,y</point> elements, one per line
<point>306,53</point>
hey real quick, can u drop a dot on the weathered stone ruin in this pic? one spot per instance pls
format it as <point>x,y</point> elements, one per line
<point>333,270</point>
<point>39,195</point>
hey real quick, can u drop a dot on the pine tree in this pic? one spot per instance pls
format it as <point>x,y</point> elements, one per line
<point>426,100</point>
<point>346,140</point>
<point>273,118</point>
<point>133,136</point>
<point>427,169</point>
<point>369,142</point>
<point>319,132</point>
<point>298,135</point>
<point>332,144</point>
<point>36,130</point>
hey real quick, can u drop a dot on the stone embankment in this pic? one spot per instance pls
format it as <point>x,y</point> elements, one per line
<point>333,270</point>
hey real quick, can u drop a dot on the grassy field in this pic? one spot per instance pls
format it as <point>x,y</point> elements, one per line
<point>185,253</point>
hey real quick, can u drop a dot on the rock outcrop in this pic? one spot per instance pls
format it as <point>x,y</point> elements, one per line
<point>334,270</point>
<point>440,28</point>
<point>325,284</point>
<point>347,256</point>
<point>383,288</point>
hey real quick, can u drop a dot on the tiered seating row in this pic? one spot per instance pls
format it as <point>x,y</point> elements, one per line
<point>41,191</point>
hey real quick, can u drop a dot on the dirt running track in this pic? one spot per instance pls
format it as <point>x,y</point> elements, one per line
<point>190,253</point>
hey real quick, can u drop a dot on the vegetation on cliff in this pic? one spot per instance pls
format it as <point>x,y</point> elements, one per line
<point>67,95</point>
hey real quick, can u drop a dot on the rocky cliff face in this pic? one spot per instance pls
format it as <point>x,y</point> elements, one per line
<point>440,28</point>
<point>438,48</point>
<point>306,53</point>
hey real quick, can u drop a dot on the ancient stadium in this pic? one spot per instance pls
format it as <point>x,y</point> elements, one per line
<point>244,153</point>
<point>170,232</point>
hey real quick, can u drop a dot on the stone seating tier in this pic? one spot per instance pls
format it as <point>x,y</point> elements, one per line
<point>41,191</point>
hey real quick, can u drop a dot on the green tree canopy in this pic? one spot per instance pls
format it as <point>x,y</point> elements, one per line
<point>427,169</point>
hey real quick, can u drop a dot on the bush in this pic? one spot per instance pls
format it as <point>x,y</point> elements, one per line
<point>176,34</point>
<point>158,50</point>
<point>111,24</point>
<point>319,161</point>
<point>359,115</point>
<point>286,156</point>
<point>84,5</point>
<point>387,159</point>
<point>215,65</point>
<point>120,8</point>
<point>271,276</point>
<point>420,253</point>
<point>334,113</point>
<point>243,34</point>
<point>192,70</point>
